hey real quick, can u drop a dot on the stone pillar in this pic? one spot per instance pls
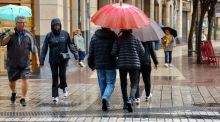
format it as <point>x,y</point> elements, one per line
<point>75,15</point>
<point>160,12</point>
<point>167,16</point>
<point>138,3</point>
<point>66,15</point>
<point>152,9</point>
<point>179,20</point>
<point>83,14</point>
<point>147,8</point>
<point>93,10</point>
<point>101,2</point>
<point>171,16</point>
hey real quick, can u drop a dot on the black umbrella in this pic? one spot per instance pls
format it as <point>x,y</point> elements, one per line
<point>172,31</point>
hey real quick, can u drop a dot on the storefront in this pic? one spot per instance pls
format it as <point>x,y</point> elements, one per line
<point>6,24</point>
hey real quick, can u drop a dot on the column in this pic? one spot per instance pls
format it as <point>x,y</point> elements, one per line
<point>167,15</point>
<point>75,15</point>
<point>66,15</point>
<point>179,20</point>
<point>160,11</point>
<point>147,8</point>
<point>152,9</point>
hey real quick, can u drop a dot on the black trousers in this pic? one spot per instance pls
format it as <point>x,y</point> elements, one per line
<point>58,71</point>
<point>134,77</point>
<point>146,74</point>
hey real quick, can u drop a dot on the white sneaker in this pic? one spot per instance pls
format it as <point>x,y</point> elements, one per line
<point>65,92</point>
<point>81,64</point>
<point>166,65</point>
<point>55,100</point>
<point>137,100</point>
<point>148,97</point>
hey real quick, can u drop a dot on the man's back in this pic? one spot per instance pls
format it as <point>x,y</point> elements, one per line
<point>100,49</point>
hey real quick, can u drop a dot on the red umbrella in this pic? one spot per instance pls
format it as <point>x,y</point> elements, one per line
<point>120,16</point>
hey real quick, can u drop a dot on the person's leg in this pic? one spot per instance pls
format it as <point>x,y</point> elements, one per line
<point>170,57</point>
<point>166,58</point>
<point>12,85</point>
<point>54,70</point>
<point>25,73</point>
<point>123,80</point>
<point>134,77</point>
<point>137,94</point>
<point>110,85</point>
<point>83,54</point>
<point>101,81</point>
<point>146,71</point>
<point>13,76</point>
<point>81,58</point>
<point>24,88</point>
<point>62,75</point>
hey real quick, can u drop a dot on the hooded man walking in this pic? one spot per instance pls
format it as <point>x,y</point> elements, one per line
<point>58,41</point>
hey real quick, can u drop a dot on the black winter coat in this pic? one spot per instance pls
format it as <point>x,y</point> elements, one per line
<point>149,52</point>
<point>129,51</point>
<point>57,44</point>
<point>100,50</point>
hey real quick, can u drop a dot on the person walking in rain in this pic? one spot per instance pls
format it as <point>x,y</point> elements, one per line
<point>100,58</point>
<point>58,41</point>
<point>19,43</point>
<point>146,70</point>
<point>168,44</point>
<point>129,51</point>
<point>80,45</point>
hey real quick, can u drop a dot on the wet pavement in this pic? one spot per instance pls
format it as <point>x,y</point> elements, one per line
<point>186,92</point>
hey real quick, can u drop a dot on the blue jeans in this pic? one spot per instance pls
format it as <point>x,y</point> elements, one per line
<point>81,55</point>
<point>157,45</point>
<point>106,79</point>
<point>168,57</point>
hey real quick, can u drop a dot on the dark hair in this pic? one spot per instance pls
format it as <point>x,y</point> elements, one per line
<point>104,28</point>
<point>129,31</point>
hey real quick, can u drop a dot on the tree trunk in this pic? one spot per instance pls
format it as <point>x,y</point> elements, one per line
<point>199,38</point>
<point>192,28</point>
<point>204,5</point>
<point>211,18</point>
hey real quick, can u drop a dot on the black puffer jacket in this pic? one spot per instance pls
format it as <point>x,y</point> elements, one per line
<point>100,50</point>
<point>149,52</point>
<point>57,44</point>
<point>129,51</point>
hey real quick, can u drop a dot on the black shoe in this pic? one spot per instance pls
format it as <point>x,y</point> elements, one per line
<point>104,105</point>
<point>13,98</point>
<point>23,102</point>
<point>129,105</point>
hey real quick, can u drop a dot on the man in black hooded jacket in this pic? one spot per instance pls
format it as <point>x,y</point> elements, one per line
<point>100,58</point>
<point>58,41</point>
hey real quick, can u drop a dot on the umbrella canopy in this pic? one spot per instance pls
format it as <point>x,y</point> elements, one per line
<point>172,31</point>
<point>10,12</point>
<point>120,16</point>
<point>152,32</point>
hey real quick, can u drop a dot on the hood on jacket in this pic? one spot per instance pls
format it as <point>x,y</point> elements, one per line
<point>54,22</point>
<point>105,33</point>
